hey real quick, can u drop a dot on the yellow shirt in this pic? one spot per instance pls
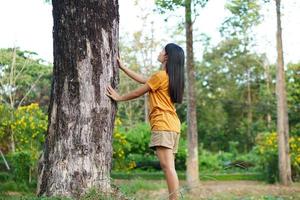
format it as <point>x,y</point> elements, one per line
<point>162,115</point>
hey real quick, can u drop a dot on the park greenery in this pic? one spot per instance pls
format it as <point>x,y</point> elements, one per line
<point>236,111</point>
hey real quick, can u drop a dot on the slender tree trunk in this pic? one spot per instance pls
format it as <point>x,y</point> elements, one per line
<point>129,110</point>
<point>146,108</point>
<point>12,83</point>
<point>5,162</point>
<point>146,102</point>
<point>268,81</point>
<point>78,148</point>
<point>192,158</point>
<point>282,116</point>
<point>249,114</point>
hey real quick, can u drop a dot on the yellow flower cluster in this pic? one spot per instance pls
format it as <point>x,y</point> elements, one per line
<point>121,138</point>
<point>120,145</point>
<point>269,143</point>
<point>33,106</point>
<point>29,125</point>
<point>131,165</point>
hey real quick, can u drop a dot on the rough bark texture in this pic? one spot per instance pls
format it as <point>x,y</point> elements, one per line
<point>78,148</point>
<point>282,115</point>
<point>192,158</point>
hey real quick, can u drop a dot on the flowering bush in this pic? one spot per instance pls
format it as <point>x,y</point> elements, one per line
<point>120,148</point>
<point>267,149</point>
<point>28,125</point>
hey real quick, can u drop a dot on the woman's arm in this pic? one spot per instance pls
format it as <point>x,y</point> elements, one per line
<point>131,95</point>
<point>132,74</point>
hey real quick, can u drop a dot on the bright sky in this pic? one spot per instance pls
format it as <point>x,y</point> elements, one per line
<point>28,24</point>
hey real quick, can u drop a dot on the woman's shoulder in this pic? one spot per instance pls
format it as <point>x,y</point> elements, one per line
<point>161,73</point>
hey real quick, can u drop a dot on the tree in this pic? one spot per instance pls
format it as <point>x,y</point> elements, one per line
<point>244,16</point>
<point>78,147</point>
<point>222,89</point>
<point>192,158</point>
<point>282,115</point>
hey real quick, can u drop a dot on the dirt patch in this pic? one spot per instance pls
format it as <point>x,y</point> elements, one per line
<point>224,190</point>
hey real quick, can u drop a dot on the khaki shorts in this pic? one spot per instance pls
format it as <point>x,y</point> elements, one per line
<point>169,139</point>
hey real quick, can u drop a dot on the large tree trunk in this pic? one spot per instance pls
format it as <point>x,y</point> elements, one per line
<point>192,158</point>
<point>78,148</point>
<point>282,115</point>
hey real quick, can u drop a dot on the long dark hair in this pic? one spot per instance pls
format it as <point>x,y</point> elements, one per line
<point>175,70</point>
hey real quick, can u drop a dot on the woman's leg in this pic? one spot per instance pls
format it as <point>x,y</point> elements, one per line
<point>166,159</point>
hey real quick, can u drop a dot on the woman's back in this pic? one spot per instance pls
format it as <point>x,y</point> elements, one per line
<point>162,115</point>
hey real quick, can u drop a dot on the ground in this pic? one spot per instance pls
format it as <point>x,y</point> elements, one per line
<point>223,190</point>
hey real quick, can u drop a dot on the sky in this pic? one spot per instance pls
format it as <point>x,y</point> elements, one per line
<point>28,25</point>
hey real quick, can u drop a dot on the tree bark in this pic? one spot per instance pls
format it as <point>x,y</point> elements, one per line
<point>78,148</point>
<point>282,115</point>
<point>192,158</point>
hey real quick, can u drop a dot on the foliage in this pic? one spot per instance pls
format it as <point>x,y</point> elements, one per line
<point>20,163</point>
<point>244,16</point>
<point>5,115</point>
<point>28,123</point>
<point>138,138</point>
<point>121,147</point>
<point>223,108</point>
<point>209,161</point>
<point>172,5</point>
<point>267,150</point>
<point>180,158</point>
<point>30,73</point>
<point>293,97</point>
<point>29,127</point>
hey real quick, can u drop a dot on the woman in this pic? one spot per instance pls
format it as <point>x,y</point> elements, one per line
<point>165,88</point>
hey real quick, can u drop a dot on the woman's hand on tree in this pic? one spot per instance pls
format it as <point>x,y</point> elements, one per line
<point>113,94</point>
<point>120,64</point>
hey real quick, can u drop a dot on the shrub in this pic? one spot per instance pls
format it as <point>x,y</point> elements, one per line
<point>121,147</point>
<point>20,163</point>
<point>180,158</point>
<point>208,161</point>
<point>267,149</point>
<point>138,138</point>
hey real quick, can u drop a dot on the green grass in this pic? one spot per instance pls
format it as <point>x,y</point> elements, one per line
<point>181,175</point>
<point>129,190</point>
<point>131,183</point>
<point>137,184</point>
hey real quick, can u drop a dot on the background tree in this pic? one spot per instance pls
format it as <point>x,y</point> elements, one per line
<point>239,25</point>
<point>78,147</point>
<point>282,113</point>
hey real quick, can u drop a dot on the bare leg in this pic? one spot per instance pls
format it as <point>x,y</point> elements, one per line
<point>166,159</point>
